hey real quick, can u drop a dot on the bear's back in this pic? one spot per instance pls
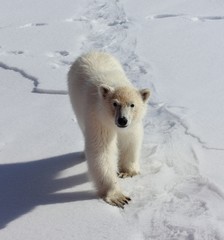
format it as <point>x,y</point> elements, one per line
<point>98,68</point>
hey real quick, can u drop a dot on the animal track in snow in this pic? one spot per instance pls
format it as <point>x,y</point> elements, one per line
<point>118,22</point>
<point>185,16</point>
<point>204,18</point>
<point>212,18</point>
<point>66,62</point>
<point>59,53</point>
<point>164,16</point>
<point>108,30</point>
<point>40,24</point>
<point>80,19</point>
<point>16,52</point>
<point>63,53</point>
<point>5,52</point>
<point>59,59</point>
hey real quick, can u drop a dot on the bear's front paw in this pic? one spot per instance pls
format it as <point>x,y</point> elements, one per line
<point>125,174</point>
<point>117,199</point>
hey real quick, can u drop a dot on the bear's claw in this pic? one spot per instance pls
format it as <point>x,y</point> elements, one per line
<point>127,174</point>
<point>117,199</point>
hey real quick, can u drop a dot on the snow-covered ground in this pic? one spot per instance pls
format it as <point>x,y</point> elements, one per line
<point>174,47</point>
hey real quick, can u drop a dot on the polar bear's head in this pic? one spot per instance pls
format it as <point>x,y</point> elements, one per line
<point>124,105</point>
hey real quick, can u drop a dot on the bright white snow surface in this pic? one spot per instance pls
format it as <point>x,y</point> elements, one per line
<point>174,47</point>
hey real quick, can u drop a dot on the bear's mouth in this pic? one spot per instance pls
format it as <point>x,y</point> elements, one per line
<point>121,126</point>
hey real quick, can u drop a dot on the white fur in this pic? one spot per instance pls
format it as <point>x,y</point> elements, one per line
<point>101,95</point>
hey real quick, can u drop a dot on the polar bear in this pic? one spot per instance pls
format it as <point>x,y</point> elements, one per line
<point>109,111</point>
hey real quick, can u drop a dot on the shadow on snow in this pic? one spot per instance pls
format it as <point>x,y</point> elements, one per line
<point>23,186</point>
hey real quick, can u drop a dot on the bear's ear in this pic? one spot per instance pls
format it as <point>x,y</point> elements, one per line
<point>105,90</point>
<point>145,93</point>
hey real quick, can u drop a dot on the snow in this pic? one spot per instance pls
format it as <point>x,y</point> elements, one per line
<point>175,48</point>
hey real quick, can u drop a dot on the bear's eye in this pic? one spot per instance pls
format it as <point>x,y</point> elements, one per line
<point>132,105</point>
<point>115,104</point>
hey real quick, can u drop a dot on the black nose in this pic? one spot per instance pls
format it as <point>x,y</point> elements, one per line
<point>122,121</point>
